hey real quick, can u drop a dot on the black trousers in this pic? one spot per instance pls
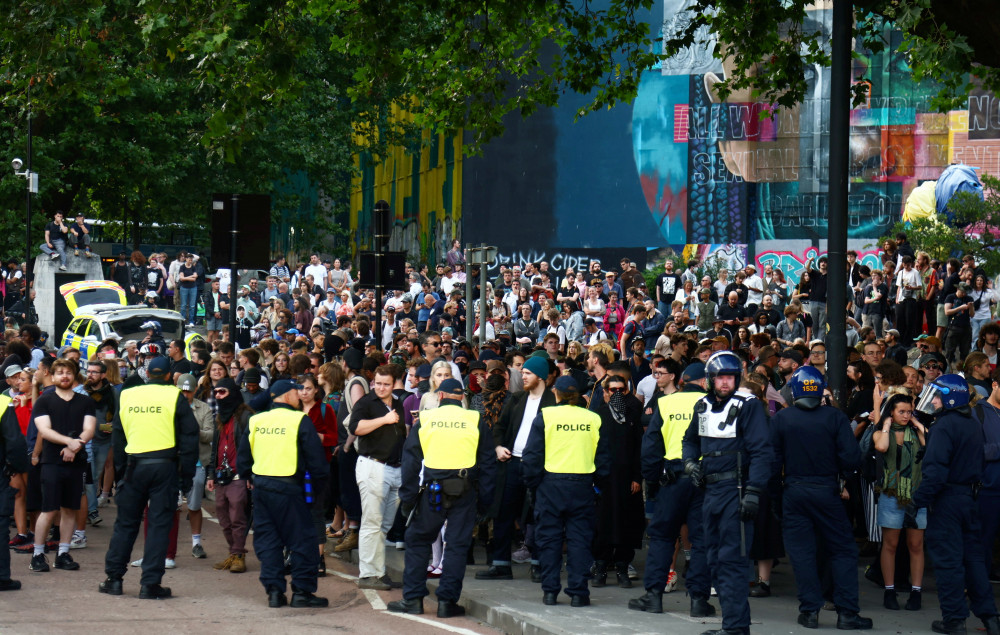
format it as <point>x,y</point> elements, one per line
<point>156,483</point>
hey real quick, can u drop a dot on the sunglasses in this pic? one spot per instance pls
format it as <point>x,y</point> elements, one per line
<point>616,391</point>
<point>933,367</point>
<point>220,391</point>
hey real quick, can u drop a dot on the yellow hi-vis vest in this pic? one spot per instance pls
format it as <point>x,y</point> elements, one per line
<point>449,437</point>
<point>676,410</point>
<point>571,434</point>
<point>273,442</point>
<point>4,402</point>
<point>147,414</point>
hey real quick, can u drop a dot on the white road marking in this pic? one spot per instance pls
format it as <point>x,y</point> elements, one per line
<point>424,620</point>
<point>374,599</point>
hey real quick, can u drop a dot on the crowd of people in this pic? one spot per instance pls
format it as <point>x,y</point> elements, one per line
<point>693,382</point>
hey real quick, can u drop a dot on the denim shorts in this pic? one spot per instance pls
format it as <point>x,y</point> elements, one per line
<point>890,514</point>
<point>213,324</point>
<point>197,489</point>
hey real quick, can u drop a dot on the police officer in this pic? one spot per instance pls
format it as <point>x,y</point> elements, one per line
<point>727,450</point>
<point>454,447</point>
<point>279,449</point>
<point>565,457</point>
<point>815,445</point>
<point>155,441</point>
<point>678,501</point>
<point>950,475</point>
<point>14,451</point>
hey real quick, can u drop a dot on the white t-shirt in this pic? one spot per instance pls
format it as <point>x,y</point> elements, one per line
<point>223,276</point>
<point>530,412</point>
<point>645,389</point>
<point>318,272</point>
<point>755,282</point>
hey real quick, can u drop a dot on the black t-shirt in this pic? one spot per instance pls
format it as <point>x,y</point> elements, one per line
<point>741,293</point>
<point>962,319</point>
<point>55,233</point>
<point>384,443</point>
<point>66,418</point>
<point>948,288</point>
<point>189,271</point>
<point>667,283</point>
<point>153,278</point>
<point>180,366</point>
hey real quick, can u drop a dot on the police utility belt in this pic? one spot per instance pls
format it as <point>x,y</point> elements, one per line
<point>442,493</point>
<point>723,476</point>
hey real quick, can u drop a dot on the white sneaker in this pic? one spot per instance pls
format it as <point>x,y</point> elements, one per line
<point>102,500</point>
<point>78,542</point>
<point>54,257</point>
<point>671,582</point>
<point>169,564</point>
<point>62,267</point>
<point>632,573</point>
<point>136,563</point>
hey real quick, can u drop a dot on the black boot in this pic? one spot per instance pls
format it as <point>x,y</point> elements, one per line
<point>600,574</point>
<point>913,603</point>
<point>847,621</point>
<point>413,607</point>
<point>700,607</point>
<point>992,625</point>
<point>621,568</point>
<point>536,574</point>
<point>889,600</point>
<point>951,627</point>
<point>809,619</point>
<point>496,572</point>
<point>652,602</point>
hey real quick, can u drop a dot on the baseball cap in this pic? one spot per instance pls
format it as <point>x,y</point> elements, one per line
<point>158,366</point>
<point>895,334</point>
<point>567,384</point>
<point>932,340</point>
<point>407,297</point>
<point>11,371</point>
<point>494,366</point>
<point>693,372</point>
<point>423,371</point>
<point>965,286</point>
<point>452,386</point>
<point>477,365</point>
<point>929,358</point>
<point>282,386</point>
<point>792,354</point>
<point>187,381</point>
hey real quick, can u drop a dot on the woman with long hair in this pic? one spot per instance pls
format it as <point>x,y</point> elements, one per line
<point>303,315</point>
<point>279,367</point>
<point>593,306</point>
<point>215,371</point>
<point>899,437</point>
<point>332,379</point>
<point>983,298</point>
<point>742,339</point>
<point>614,316</point>
<point>324,419</point>
<point>778,288</point>
<point>138,275</point>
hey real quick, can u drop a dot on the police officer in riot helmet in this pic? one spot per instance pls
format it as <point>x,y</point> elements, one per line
<point>155,441</point>
<point>727,450</point>
<point>566,461</point>
<point>951,472</point>
<point>147,353</point>
<point>449,474</point>
<point>815,450</point>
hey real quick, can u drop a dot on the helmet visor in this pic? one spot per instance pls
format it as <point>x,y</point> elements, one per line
<point>926,403</point>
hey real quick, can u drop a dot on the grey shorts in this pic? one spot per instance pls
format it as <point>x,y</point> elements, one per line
<point>213,324</point>
<point>942,319</point>
<point>197,489</point>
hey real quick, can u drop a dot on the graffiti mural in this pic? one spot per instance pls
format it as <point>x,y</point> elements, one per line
<point>731,257</point>
<point>424,189</point>
<point>793,263</point>
<point>561,259</point>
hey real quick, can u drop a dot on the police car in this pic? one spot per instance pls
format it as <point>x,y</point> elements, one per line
<point>100,311</point>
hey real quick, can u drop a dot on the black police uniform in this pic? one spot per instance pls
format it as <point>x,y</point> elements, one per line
<point>14,451</point>
<point>816,447</point>
<point>725,444</point>
<point>153,476</point>
<point>678,502</point>
<point>565,505</point>
<point>460,512</point>
<point>281,516</point>
<point>953,465</point>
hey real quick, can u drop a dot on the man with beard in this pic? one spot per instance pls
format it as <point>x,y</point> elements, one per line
<point>734,469</point>
<point>106,406</point>
<point>510,436</point>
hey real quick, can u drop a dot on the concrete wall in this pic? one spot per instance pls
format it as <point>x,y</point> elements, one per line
<point>46,286</point>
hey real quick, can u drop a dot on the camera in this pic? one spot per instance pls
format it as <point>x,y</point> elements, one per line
<point>17,164</point>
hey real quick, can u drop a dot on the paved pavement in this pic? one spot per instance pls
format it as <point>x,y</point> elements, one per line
<point>226,602</point>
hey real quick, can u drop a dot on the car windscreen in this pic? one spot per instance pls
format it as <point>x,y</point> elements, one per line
<point>96,296</point>
<point>130,328</point>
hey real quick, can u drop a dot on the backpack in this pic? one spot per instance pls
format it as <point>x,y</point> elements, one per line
<point>872,461</point>
<point>350,405</point>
